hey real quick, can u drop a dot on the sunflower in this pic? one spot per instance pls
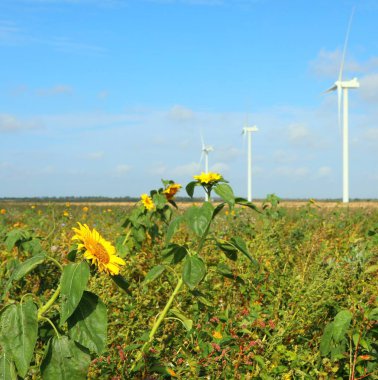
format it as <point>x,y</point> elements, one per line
<point>147,202</point>
<point>96,248</point>
<point>208,178</point>
<point>171,190</point>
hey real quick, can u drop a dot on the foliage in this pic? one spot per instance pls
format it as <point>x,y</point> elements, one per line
<point>282,293</point>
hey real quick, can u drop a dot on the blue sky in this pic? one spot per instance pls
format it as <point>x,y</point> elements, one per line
<point>106,97</point>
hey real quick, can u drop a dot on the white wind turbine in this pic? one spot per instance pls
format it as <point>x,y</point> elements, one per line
<point>206,149</point>
<point>342,87</point>
<point>248,131</point>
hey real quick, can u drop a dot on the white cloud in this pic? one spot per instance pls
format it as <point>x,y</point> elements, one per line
<point>286,171</point>
<point>220,167</point>
<point>186,170</point>
<point>298,133</point>
<point>122,169</point>
<point>180,114</point>
<point>10,123</point>
<point>283,157</point>
<point>369,88</point>
<point>55,90</point>
<point>327,64</point>
<point>95,155</point>
<point>324,171</point>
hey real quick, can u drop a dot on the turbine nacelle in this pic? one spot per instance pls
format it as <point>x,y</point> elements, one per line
<point>207,149</point>
<point>353,83</point>
<point>250,129</point>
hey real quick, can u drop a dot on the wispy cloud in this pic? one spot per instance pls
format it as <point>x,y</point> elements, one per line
<point>55,90</point>
<point>10,123</point>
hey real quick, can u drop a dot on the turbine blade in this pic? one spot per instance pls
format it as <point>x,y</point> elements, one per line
<point>346,45</point>
<point>333,88</point>
<point>339,99</point>
<point>202,140</point>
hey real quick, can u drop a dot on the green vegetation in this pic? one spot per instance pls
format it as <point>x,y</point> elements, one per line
<point>211,291</point>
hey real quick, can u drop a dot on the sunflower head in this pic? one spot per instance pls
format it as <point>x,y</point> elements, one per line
<point>147,202</point>
<point>208,178</point>
<point>171,190</point>
<point>95,248</point>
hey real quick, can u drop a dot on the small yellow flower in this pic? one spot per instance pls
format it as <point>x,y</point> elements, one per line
<point>217,335</point>
<point>208,178</point>
<point>171,190</point>
<point>68,204</point>
<point>85,209</point>
<point>3,211</point>
<point>109,210</point>
<point>171,372</point>
<point>66,213</point>
<point>147,202</point>
<point>32,206</point>
<point>96,248</point>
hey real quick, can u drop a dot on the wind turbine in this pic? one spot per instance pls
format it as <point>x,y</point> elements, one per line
<point>248,131</point>
<point>206,149</point>
<point>342,87</point>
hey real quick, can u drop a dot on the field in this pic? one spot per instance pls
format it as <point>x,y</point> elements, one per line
<point>224,291</point>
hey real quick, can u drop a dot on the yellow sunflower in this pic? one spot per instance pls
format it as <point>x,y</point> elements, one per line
<point>171,190</point>
<point>208,178</point>
<point>147,202</point>
<point>96,248</point>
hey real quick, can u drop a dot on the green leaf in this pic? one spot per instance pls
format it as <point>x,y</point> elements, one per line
<point>28,265</point>
<point>326,340</point>
<point>199,218</point>
<point>341,324</point>
<point>154,273</point>
<point>7,370</point>
<point>188,323</point>
<point>65,360</point>
<point>174,253</point>
<point>121,282</point>
<point>245,203</point>
<point>159,200</point>
<point>226,271</point>
<point>201,297</point>
<point>229,250</point>
<point>18,333</point>
<point>73,282</point>
<point>23,269</point>
<point>15,236</point>
<point>373,314</point>
<point>240,244</point>
<point>372,269</point>
<point>218,209</point>
<point>226,193</point>
<point>190,188</point>
<point>172,228</point>
<point>88,324</point>
<point>193,272</point>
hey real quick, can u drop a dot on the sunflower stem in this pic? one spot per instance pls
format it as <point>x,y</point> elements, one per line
<point>55,262</point>
<point>49,303</point>
<point>158,323</point>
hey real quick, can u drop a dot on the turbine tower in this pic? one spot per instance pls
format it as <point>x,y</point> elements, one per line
<point>342,87</point>
<point>206,149</point>
<point>248,131</point>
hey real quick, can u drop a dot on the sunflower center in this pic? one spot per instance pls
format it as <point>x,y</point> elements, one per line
<point>98,250</point>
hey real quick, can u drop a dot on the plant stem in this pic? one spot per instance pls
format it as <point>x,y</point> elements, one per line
<point>55,262</point>
<point>52,324</point>
<point>158,322</point>
<point>49,303</point>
